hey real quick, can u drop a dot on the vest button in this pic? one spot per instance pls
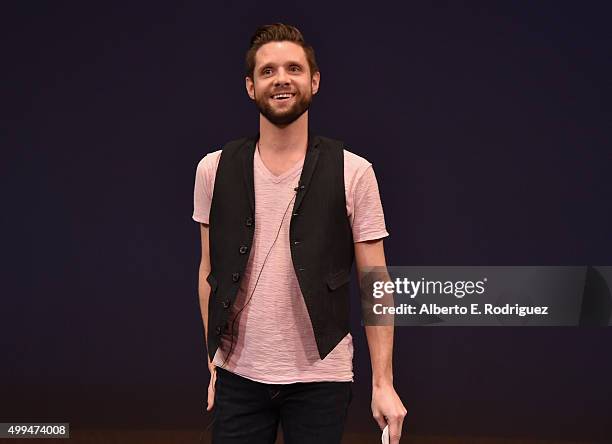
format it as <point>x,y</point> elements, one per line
<point>296,213</point>
<point>296,242</point>
<point>249,221</point>
<point>243,249</point>
<point>235,277</point>
<point>218,330</point>
<point>226,304</point>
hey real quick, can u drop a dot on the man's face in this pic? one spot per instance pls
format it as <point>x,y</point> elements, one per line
<point>282,85</point>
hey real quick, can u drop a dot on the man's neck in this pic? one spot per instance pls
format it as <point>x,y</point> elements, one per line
<point>289,141</point>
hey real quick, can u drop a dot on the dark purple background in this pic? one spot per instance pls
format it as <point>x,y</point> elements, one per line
<point>489,128</point>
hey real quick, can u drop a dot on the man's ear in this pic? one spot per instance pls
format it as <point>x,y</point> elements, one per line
<point>250,87</point>
<point>314,82</point>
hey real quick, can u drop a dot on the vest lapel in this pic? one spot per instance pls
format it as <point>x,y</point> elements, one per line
<point>247,152</point>
<point>310,162</point>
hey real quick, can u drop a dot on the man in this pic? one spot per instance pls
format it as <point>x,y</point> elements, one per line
<point>282,216</point>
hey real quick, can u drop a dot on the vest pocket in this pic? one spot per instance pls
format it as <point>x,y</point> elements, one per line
<point>338,279</point>
<point>212,282</point>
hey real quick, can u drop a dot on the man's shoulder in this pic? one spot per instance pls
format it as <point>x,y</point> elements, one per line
<point>234,148</point>
<point>210,161</point>
<point>354,163</point>
<point>229,150</point>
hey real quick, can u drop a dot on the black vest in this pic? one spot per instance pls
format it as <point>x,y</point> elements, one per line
<point>320,237</point>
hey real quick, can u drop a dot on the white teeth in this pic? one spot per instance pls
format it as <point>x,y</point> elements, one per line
<point>281,96</point>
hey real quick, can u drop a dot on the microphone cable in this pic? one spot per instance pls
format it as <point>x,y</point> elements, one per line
<point>296,189</point>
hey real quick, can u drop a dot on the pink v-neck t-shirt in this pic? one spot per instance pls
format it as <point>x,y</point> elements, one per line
<point>273,338</point>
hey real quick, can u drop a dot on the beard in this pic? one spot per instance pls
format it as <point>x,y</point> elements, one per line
<point>285,116</point>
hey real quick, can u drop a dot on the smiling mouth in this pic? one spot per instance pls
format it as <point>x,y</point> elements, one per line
<point>282,96</point>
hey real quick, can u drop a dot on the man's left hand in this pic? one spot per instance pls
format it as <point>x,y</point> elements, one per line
<point>387,408</point>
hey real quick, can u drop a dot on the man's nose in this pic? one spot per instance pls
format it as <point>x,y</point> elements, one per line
<point>281,77</point>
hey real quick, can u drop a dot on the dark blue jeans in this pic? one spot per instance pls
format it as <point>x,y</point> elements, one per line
<point>246,411</point>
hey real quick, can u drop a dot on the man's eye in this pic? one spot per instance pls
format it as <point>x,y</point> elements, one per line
<point>267,71</point>
<point>295,68</point>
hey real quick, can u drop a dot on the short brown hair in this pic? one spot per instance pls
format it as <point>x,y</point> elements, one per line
<point>278,32</point>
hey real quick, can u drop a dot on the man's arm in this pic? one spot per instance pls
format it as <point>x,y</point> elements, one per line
<point>387,408</point>
<point>203,286</point>
<point>380,338</point>
<point>204,295</point>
